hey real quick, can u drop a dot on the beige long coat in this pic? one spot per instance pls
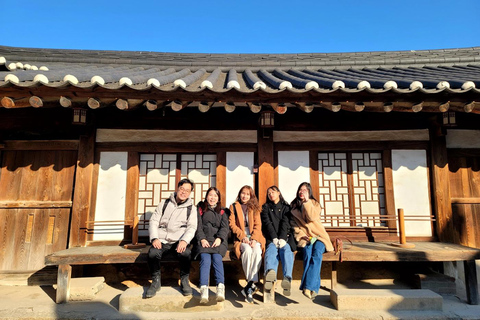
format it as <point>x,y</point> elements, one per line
<point>307,223</point>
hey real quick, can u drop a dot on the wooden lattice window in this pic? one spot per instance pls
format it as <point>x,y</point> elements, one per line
<point>352,190</point>
<point>159,175</point>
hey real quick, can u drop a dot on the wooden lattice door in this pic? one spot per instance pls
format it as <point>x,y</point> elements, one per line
<point>159,174</point>
<point>35,203</point>
<point>352,190</point>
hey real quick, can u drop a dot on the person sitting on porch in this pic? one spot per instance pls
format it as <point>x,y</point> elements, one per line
<point>171,228</point>
<point>211,242</point>
<point>311,236</point>
<point>280,243</point>
<point>249,242</point>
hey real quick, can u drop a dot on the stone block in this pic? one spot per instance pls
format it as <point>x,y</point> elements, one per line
<point>168,299</point>
<point>82,289</point>
<point>386,299</point>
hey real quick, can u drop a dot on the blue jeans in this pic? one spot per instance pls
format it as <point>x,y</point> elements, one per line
<point>285,255</point>
<point>312,264</point>
<point>205,264</point>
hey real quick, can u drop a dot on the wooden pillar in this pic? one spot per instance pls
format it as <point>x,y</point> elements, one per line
<point>441,187</point>
<point>63,283</point>
<point>131,197</point>
<point>266,172</point>
<point>388,181</point>
<point>471,281</point>
<point>222,176</point>
<point>83,191</point>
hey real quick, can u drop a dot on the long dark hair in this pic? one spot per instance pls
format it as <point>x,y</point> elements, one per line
<point>252,204</point>
<point>297,202</point>
<point>218,207</point>
<point>282,200</point>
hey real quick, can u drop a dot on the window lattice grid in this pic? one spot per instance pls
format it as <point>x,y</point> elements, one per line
<point>364,185</point>
<point>157,180</point>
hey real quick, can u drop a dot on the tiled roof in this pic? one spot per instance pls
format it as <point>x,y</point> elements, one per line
<point>429,71</point>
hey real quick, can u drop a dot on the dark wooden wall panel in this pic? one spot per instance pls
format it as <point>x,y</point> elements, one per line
<point>36,189</point>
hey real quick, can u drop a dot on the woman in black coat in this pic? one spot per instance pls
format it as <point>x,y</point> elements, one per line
<point>280,241</point>
<point>211,236</point>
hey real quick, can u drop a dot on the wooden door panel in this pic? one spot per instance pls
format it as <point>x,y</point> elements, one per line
<point>32,222</point>
<point>465,192</point>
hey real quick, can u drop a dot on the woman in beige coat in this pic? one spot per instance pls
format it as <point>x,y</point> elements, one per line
<point>311,236</point>
<point>249,242</point>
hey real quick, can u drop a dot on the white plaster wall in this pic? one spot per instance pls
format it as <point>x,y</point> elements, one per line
<point>410,187</point>
<point>111,189</point>
<point>239,173</point>
<point>463,138</point>
<point>293,169</point>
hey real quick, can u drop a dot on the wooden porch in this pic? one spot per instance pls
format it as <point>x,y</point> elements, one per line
<point>356,252</point>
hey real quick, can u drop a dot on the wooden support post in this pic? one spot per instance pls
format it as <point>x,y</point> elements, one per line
<point>63,283</point>
<point>266,172</point>
<point>334,275</point>
<point>83,191</point>
<point>401,230</point>
<point>440,177</point>
<point>471,281</point>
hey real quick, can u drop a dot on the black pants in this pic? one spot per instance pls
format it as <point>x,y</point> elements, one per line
<point>155,256</point>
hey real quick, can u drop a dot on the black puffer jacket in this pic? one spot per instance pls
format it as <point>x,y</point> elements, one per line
<point>276,224</point>
<point>211,225</point>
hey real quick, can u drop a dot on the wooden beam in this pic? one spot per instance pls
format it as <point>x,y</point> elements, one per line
<point>41,145</point>
<point>254,107</point>
<point>417,107</point>
<point>131,197</point>
<point>469,107</point>
<point>93,103</point>
<point>151,105</point>
<point>65,102</point>
<point>444,106</point>
<point>128,104</point>
<point>204,106</point>
<point>305,107</point>
<point>280,108</point>
<point>266,174</point>
<point>229,106</point>
<point>11,103</point>
<point>222,176</point>
<point>388,185</point>
<point>35,204</point>
<point>441,186</point>
<point>83,190</point>
<point>178,105</point>
<point>35,101</point>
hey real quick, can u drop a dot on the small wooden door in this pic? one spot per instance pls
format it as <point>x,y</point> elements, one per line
<point>465,193</point>
<point>35,203</point>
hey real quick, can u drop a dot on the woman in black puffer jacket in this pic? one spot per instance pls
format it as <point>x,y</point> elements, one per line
<point>211,245</point>
<point>280,241</point>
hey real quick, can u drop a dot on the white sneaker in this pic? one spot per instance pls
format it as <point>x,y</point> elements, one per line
<point>220,292</point>
<point>203,295</point>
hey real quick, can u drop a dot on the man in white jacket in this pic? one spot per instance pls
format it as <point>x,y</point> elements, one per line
<point>172,227</point>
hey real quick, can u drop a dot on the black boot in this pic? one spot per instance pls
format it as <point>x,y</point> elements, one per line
<point>156,276</point>
<point>185,285</point>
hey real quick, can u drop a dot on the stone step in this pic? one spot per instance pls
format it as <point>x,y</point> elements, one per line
<point>168,299</point>
<point>386,299</point>
<point>83,289</point>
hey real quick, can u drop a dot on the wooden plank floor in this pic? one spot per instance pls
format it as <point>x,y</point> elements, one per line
<point>359,251</point>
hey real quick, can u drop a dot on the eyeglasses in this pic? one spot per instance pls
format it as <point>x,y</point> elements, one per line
<point>182,189</point>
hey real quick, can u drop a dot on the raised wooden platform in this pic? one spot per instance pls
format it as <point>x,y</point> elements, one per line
<point>358,251</point>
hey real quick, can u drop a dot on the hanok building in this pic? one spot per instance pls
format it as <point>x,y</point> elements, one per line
<point>91,141</point>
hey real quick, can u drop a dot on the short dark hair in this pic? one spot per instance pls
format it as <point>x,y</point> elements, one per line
<point>183,181</point>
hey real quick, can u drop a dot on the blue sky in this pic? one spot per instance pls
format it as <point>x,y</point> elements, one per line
<point>241,26</point>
